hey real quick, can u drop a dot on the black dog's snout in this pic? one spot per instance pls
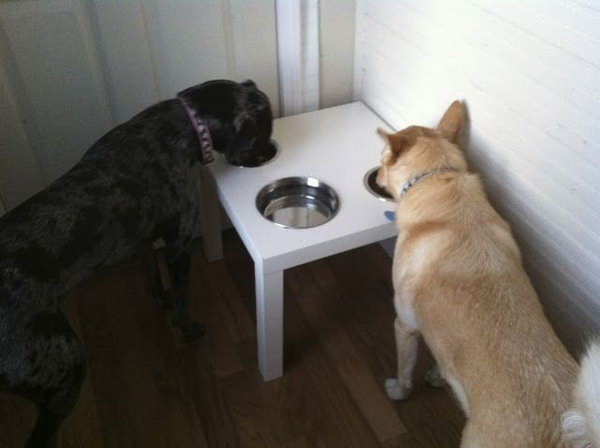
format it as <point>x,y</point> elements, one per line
<point>255,156</point>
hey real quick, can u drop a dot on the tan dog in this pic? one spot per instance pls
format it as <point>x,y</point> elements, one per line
<point>459,281</point>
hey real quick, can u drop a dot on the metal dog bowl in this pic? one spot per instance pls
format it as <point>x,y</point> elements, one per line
<point>255,159</point>
<point>298,202</point>
<point>370,181</point>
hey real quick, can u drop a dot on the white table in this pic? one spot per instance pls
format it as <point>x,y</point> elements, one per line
<point>337,146</point>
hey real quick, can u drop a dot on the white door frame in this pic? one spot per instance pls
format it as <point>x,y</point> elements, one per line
<point>298,55</point>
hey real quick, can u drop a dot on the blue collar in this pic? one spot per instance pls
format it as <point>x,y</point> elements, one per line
<point>408,184</point>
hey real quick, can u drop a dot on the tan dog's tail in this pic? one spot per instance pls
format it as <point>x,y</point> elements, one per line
<point>581,425</point>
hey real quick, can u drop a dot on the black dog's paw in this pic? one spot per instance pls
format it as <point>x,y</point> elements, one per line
<point>165,301</point>
<point>189,331</point>
<point>163,298</point>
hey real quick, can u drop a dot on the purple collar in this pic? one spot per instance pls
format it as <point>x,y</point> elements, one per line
<point>201,129</point>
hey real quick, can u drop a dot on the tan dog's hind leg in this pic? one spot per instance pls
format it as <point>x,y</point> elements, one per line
<point>407,339</point>
<point>434,377</point>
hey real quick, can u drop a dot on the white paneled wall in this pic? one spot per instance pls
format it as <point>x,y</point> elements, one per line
<point>530,75</point>
<point>57,102</point>
<point>72,69</point>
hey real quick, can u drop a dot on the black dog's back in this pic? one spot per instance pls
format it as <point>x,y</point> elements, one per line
<point>126,185</point>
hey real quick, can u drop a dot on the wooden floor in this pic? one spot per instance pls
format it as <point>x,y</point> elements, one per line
<point>145,389</point>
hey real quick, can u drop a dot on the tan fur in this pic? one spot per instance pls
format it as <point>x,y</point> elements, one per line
<point>459,281</point>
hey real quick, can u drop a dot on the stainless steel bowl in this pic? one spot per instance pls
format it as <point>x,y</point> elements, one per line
<point>298,202</point>
<point>370,181</point>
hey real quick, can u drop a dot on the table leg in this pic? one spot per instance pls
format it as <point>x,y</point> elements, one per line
<point>210,216</point>
<point>269,318</point>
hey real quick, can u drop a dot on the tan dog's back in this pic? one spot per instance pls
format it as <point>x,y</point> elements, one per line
<point>459,281</point>
<point>482,320</point>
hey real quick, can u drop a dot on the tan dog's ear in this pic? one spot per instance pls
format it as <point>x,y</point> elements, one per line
<point>397,142</point>
<point>453,122</point>
<point>383,134</point>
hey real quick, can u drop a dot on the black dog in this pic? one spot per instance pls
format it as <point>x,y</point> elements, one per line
<point>136,184</point>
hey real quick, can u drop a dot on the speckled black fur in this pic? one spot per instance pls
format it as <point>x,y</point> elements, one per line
<point>133,186</point>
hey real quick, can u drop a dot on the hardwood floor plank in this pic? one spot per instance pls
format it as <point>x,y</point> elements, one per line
<point>139,390</point>
<point>18,417</point>
<point>290,408</point>
<point>367,301</point>
<point>308,441</point>
<point>316,304</point>
<point>402,441</point>
<point>223,352</point>
<point>338,412</point>
<point>196,365</point>
<point>241,270</point>
<point>237,319</point>
<point>85,414</point>
<point>204,391</point>
<point>249,410</point>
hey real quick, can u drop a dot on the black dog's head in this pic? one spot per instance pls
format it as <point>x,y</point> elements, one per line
<point>239,117</point>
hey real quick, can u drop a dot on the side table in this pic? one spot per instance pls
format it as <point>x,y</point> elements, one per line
<point>337,146</point>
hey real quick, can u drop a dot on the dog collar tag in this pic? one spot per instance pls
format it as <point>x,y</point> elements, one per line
<point>201,130</point>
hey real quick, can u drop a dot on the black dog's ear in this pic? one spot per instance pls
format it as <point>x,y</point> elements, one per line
<point>249,83</point>
<point>245,138</point>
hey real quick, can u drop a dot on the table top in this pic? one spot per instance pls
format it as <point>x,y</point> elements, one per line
<point>337,146</point>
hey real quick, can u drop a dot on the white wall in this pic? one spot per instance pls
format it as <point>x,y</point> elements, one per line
<point>72,69</point>
<point>530,75</point>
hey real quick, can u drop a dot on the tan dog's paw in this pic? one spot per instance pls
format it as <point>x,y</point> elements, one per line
<point>434,378</point>
<point>395,390</point>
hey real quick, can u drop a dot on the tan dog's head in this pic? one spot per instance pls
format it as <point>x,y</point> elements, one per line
<point>416,150</point>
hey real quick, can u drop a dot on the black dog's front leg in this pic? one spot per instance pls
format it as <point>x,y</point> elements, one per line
<point>154,284</point>
<point>179,267</point>
<point>52,370</point>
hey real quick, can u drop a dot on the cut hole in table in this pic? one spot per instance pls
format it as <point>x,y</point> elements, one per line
<point>370,181</point>
<point>298,202</point>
